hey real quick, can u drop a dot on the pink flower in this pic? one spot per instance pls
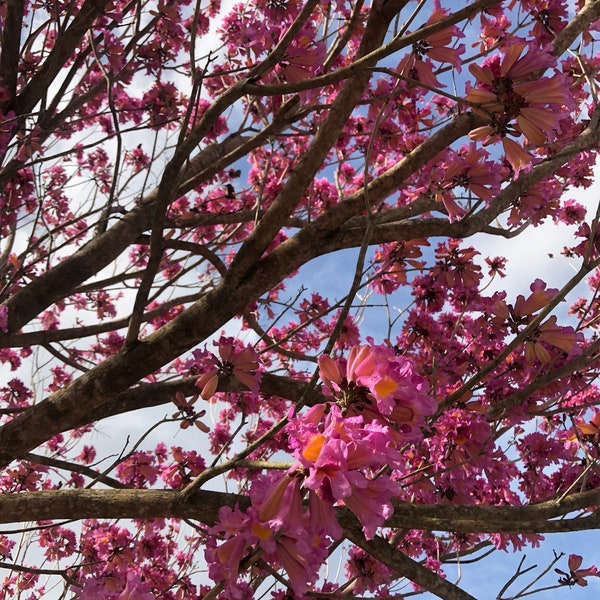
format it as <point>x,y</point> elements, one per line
<point>367,572</point>
<point>302,58</point>
<point>341,459</point>
<point>514,104</point>
<point>224,560</point>
<point>470,169</point>
<point>516,318</point>
<point>328,468</point>
<point>137,159</point>
<point>281,504</point>
<point>138,470</point>
<point>321,517</point>
<point>437,47</point>
<point>241,530</point>
<point>360,364</point>
<point>301,560</point>
<point>242,364</point>
<point>275,525</point>
<point>187,414</point>
<point>397,259</point>
<point>370,501</point>
<point>163,103</point>
<point>380,387</point>
<point>576,576</point>
<point>135,589</point>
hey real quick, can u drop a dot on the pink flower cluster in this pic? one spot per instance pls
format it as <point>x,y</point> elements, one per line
<point>347,450</point>
<point>381,387</point>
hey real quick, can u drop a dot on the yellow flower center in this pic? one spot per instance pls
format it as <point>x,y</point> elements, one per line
<point>261,532</point>
<point>313,448</point>
<point>384,387</point>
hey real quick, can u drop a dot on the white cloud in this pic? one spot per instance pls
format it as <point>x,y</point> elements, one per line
<point>537,252</point>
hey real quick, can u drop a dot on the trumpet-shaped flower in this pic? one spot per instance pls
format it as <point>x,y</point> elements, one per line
<point>341,459</point>
<point>274,526</point>
<point>302,59</point>
<point>469,169</point>
<point>241,363</point>
<point>301,557</point>
<point>135,589</point>
<point>435,47</point>
<point>397,259</point>
<point>370,502</point>
<point>576,576</point>
<point>515,102</point>
<point>279,502</point>
<point>382,388</point>
<point>516,318</point>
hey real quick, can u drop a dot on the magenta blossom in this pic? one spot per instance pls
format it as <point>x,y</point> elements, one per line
<point>135,589</point>
<point>381,387</point>
<point>241,363</point>
<point>576,576</point>
<point>342,457</point>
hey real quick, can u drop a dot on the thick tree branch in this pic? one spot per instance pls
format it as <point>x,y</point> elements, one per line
<point>63,49</point>
<point>310,163</point>
<point>576,26</point>
<point>544,517</point>
<point>405,566</point>
<point>114,504</point>
<point>148,395</point>
<point>11,47</point>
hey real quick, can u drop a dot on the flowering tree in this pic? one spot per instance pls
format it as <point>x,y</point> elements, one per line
<point>170,170</point>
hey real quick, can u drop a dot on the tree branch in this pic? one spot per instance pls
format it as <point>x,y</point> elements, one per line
<point>407,567</point>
